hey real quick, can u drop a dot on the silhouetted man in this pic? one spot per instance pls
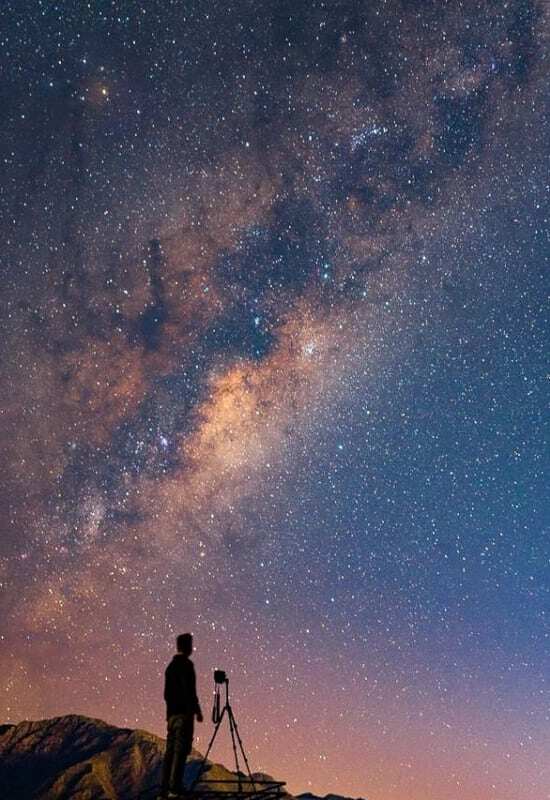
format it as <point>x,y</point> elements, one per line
<point>182,706</point>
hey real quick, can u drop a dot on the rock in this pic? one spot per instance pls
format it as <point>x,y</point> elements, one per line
<point>78,758</point>
<point>309,796</point>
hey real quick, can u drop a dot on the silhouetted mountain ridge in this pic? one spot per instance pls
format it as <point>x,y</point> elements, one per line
<point>309,796</point>
<point>79,758</point>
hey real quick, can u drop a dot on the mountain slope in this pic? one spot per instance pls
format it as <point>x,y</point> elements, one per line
<point>78,758</point>
<point>309,796</point>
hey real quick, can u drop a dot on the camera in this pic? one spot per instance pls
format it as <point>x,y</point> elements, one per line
<point>220,676</point>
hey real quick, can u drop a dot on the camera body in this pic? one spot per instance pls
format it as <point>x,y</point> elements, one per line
<point>220,676</point>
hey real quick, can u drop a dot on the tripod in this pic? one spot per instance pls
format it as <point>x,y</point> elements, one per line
<point>217,718</point>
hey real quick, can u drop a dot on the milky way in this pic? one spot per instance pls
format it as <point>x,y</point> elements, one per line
<point>274,328</point>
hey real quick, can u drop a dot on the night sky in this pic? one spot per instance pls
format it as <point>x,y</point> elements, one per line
<point>274,371</point>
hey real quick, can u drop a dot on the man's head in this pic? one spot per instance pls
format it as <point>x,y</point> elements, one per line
<point>184,644</point>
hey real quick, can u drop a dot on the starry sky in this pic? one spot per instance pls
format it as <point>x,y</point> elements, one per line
<point>274,321</point>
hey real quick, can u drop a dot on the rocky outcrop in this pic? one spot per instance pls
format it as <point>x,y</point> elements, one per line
<point>78,758</point>
<point>309,796</point>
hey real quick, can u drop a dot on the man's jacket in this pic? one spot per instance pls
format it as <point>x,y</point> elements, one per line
<point>180,687</point>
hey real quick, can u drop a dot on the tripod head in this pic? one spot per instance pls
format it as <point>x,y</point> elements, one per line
<point>220,676</point>
<point>220,679</point>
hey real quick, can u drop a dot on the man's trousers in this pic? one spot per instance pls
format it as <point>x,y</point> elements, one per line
<point>179,740</point>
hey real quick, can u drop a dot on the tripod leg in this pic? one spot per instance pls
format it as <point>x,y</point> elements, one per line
<point>233,722</point>
<point>232,731</point>
<point>203,762</point>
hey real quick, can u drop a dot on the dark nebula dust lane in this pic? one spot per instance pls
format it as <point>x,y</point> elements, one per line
<point>274,358</point>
